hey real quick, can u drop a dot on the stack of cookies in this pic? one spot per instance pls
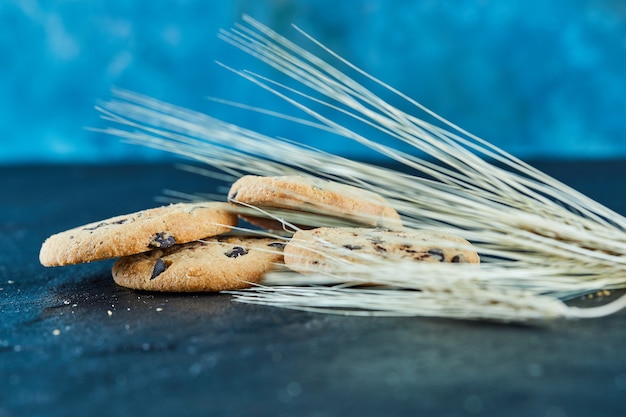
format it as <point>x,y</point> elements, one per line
<point>191,247</point>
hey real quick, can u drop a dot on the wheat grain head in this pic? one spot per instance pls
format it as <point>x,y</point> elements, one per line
<point>542,242</point>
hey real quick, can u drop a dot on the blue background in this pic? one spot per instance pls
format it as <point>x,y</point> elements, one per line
<point>537,78</point>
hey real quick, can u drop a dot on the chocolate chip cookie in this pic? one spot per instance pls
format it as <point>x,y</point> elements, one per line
<point>314,195</point>
<point>323,249</point>
<point>214,264</point>
<point>142,231</point>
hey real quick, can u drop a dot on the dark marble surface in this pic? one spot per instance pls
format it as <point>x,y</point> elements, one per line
<point>73,343</point>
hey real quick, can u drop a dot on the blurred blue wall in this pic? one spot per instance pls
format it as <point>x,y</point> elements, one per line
<point>540,78</point>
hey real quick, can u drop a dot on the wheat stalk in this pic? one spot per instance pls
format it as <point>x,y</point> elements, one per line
<point>542,241</point>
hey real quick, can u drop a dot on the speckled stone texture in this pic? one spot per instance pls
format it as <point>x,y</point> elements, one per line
<point>72,342</point>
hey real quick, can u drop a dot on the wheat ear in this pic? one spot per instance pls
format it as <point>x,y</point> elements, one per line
<point>541,241</point>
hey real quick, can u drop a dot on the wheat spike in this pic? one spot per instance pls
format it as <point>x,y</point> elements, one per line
<point>541,241</point>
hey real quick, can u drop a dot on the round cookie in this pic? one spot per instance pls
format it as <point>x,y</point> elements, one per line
<point>323,249</point>
<point>313,195</point>
<point>214,264</point>
<point>138,232</point>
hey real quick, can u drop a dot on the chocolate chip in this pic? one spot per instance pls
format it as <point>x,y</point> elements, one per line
<point>437,254</point>
<point>380,248</point>
<point>162,240</point>
<point>459,259</point>
<point>121,221</point>
<point>99,225</point>
<point>236,252</point>
<point>353,247</point>
<point>159,267</point>
<point>233,196</point>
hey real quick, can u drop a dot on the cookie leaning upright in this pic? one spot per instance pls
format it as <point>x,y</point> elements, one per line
<point>313,195</point>
<point>213,264</point>
<point>138,232</point>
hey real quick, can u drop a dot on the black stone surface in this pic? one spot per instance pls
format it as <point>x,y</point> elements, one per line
<point>72,343</point>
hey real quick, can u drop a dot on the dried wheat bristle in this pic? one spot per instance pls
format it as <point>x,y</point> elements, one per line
<point>541,241</point>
